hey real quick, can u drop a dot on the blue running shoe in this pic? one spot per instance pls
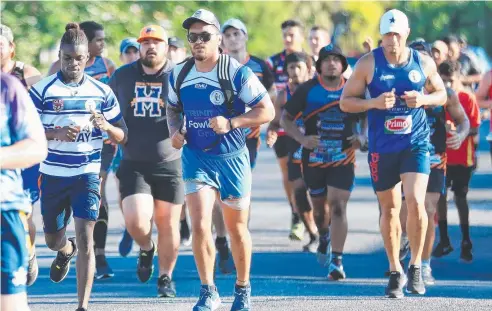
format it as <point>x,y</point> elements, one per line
<point>209,299</point>
<point>242,298</point>
<point>126,244</point>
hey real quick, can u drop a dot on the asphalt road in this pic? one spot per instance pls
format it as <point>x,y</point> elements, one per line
<point>283,278</point>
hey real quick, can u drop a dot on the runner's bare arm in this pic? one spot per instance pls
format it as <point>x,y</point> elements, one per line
<point>54,68</point>
<point>277,105</point>
<point>118,132</point>
<point>111,66</point>
<point>457,113</point>
<point>32,75</point>
<point>352,99</point>
<point>272,92</point>
<point>436,91</point>
<point>289,124</point>
<point>174,116</point>
<point>482,92</point>
<point>259,114</point>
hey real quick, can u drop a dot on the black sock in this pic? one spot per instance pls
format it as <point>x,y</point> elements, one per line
<point>465,232</point>
<point>295,218</point>
<point>220,241</point>
<point>101,228</point>
<point>443,231</point>
<point>336,255</point>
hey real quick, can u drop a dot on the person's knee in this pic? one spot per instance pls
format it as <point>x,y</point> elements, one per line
<point>338,208</point>
<point>460,193</point>
<point>84,243</point>
<point>54,241</point>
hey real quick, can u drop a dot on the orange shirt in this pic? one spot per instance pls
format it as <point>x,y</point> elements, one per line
<point>465,155</point>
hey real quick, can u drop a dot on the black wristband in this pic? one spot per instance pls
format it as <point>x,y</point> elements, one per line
<point>230,124</point>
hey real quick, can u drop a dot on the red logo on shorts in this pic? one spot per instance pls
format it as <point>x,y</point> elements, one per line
<point>57,105</point>
<point>373,165</point>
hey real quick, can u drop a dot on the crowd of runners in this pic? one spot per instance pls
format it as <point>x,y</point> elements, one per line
<point>182,135</point>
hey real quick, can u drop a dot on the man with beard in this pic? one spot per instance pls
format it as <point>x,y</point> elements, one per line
<point>75,109</point>
<point>328,153</point>
<point>28,75</point>
<point>151,185</point>
<point>216,163</point>
<point>298,67</point>
<point>396,77</point>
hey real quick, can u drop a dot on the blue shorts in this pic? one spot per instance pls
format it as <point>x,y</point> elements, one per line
<point>30,179</point>
<point>60,196</point>
<point>253,145</point>
<point>386,168</point>
<point>437,181</point>
<point>230,174</point>
<point>15,253</point>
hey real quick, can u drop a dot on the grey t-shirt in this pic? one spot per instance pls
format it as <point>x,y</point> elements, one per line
<point>143,100</point>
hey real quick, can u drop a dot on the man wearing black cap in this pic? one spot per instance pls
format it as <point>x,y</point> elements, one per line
<point>328,154</point>
<point>215,160</point>
<point>177,51</point>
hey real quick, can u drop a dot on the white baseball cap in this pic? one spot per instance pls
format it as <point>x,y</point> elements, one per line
<point>234,23</point>
<point>394,21</point>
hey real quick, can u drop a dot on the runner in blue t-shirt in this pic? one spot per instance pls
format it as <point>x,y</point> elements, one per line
<point>215,159</point>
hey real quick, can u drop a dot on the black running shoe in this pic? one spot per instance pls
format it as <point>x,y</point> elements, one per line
<point>61,264</point>
<point>81,309</point>
<point>103,270</point>
<point>442,249</point>
<point>32,270</point>
<point>395,286</point>
<point>145,264</point>
<point>165,287</point>
<point>466,251</point>
<point>415,284</point>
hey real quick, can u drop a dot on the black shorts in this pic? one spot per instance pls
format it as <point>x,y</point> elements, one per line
<point>163,181</point>
<point>282,146</point>
<point>107,154</point>
<point>436,182</point>
<point>294,169</point>
<point>458,178</point>
<point>318,179</point>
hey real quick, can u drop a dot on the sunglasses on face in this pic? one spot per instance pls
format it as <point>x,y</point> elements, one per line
<point>203,37</point>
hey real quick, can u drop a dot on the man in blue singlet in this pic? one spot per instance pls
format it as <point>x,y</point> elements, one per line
<point>396,77</point>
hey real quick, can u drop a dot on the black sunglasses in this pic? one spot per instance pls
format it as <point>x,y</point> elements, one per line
<point>204,37</point>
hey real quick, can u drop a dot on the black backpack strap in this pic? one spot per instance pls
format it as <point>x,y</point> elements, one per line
<point>189,63</point>
<point>225,82</point>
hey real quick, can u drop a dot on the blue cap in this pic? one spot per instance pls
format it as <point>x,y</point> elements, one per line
<point>128,42</point>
